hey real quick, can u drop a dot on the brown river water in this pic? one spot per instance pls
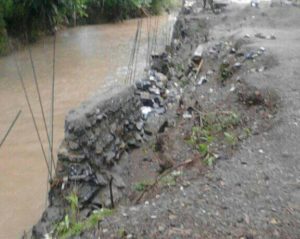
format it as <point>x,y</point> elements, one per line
<point>89,59</point>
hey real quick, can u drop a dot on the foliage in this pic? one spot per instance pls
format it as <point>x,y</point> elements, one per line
<point>216,128</point>
<point>71,226</point>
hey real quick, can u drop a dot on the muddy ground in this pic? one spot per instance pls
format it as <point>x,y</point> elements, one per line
<point>227,163</point>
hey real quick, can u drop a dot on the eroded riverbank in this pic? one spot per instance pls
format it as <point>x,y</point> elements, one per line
<point>89,59</point>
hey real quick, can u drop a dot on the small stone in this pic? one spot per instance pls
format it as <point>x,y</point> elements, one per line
<point>154,90</point>
<point>139,125</point>
<point>146,110</point>
<point>274,221</point>
<point>202,80</point>
<point>261,151</point>
<point>101,180</point>
<point>105,230</point>
<point>187,115</point>
<point>147,203</point>
<point>129,236</point>
<point>146,99</point>
<point>143,85</point>
<point>209,73</point>
<point>153,216</point>
<point>232,89</point>
<point>161,228</point>
<point>237,65</point>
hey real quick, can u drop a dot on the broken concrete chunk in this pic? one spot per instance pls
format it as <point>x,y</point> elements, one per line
<point>198,53</point>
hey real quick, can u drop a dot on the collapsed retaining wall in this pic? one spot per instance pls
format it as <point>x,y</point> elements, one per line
<point>93,157</point>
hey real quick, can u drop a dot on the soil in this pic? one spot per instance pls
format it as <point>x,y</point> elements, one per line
<point>248,187</point>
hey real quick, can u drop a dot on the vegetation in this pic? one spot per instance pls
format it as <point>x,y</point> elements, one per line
<point>71,225</point>
<point>37,17</point>
<point>217,128</point>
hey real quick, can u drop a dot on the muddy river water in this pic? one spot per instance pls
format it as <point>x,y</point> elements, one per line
<point>89,59</point>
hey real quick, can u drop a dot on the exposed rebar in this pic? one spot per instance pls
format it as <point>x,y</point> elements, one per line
<point>30,109</point>
<point>10,128</point>
<point>137,49</point>
<point>41,105</point>
<point>53,98</point>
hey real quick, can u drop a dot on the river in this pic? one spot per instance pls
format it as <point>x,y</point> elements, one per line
<point>89,59</point>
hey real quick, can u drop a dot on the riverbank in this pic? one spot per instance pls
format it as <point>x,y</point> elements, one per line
<point>90,59</point>
<point>212,152</point>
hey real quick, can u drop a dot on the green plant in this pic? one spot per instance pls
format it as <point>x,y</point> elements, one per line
<point>230,139</point>
<point>225,71</point>
<point>216,127</point>
<point>141,186</point>
<point>71,225</point>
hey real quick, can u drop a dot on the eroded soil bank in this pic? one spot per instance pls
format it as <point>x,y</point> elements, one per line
<point>213,151</point>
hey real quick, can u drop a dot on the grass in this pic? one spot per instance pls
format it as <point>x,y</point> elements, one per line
<point>225,72</point>
<point>218,128</point>
<point>71,226</point>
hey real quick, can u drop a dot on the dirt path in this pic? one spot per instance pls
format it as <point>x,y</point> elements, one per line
<point>256,192</point>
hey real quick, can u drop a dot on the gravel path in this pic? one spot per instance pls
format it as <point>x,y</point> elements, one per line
<point>256,193</point>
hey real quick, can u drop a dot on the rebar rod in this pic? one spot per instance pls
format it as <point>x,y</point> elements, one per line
<point>137,49</point>
<point>53,100</point>
<point>41,105</point>
<point>10,128</point>
<point>30,109</point>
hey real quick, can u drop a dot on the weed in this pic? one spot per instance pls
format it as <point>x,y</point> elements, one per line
<point>216,128</point>
<point>168,180</point>
<point>68,228</point>
<point>141,186</point>
<point>230,138</point>
<point>225,72</point>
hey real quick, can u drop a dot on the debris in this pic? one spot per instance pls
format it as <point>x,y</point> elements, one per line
<point>198,54</point>
<point>232,89</point>
<point>261,151</point>
<point>146,110</point>
<point>202,80</point>
<point>187,115</point>
<point>237,65</point>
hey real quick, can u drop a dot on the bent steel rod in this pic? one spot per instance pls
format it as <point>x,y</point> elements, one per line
<point>40,103</point>
<point>137,49</point>
<point>52,100</point>
<point>31,112</point>
<point>10,128</point>
<point>131,61</point>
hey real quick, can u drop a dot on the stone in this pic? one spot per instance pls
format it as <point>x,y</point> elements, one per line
<point>139,125</point>
<point>161,77</point>
<point>202,80</point>
<point>101,180</point>
<point>73,145</point>
<point>154,90</point>
<point>118,181</point>
<point>146,110</point>
<point>86,193</point>
<point>146,99</point>
<point>109,157</point>
<point>143,85</point>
